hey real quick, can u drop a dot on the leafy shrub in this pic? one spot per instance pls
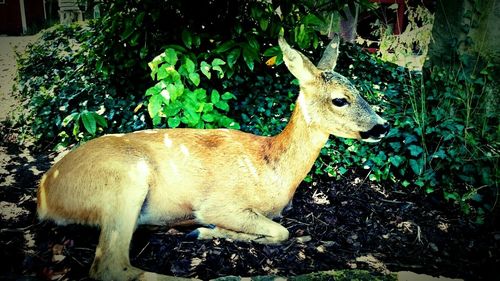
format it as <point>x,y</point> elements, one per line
<point>68,100</point>
<point>174,98</point>
<point>434,143</point>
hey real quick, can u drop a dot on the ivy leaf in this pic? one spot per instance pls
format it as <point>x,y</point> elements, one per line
<point>415,150</point>
<point>396,160</point>
<point>417,166</point>
<point>439,154</point>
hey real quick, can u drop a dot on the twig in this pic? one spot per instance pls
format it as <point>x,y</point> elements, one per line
<point>297,221</point>
<point>19,229</point>
<point>143,248</point>
<point>81,264</point>
<point>394,201</point>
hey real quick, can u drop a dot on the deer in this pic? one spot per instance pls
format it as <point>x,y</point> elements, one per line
<point>228,183</point>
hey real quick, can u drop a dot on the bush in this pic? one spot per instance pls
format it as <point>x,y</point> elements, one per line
<point>434,144</point>
<point>176,98</point>
<point>68,100</point>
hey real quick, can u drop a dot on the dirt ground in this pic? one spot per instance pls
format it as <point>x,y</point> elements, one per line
<point>342,224</point>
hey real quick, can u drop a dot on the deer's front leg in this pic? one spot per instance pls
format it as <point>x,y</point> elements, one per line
<point>243,225</point>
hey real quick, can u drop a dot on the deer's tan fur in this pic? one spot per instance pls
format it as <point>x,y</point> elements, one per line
<point>229,179</point>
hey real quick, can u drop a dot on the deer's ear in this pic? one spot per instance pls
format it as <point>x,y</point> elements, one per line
<point>300,66</point>
<point>329,58</point>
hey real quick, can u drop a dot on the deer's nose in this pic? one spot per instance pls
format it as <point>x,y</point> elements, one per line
<point>377,132</point>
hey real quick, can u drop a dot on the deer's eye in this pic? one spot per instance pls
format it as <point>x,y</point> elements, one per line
<point>340,102</point>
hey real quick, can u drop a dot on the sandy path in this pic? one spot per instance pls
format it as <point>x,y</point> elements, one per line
<point>8,69</point>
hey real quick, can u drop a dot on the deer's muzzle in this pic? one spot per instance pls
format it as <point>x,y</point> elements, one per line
<point>376,133</point>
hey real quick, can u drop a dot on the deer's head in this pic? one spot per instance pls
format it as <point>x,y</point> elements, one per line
<point>328,100</point>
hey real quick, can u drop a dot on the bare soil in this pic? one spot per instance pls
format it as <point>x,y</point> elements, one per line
<point>334,225</point>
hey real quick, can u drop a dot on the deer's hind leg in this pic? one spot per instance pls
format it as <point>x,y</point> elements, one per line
<point>242,225</point>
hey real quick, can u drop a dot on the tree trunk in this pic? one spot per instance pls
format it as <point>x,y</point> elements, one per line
<point>457,21</point>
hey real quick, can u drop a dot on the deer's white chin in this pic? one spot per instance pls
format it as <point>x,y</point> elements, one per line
<point>371,140</point>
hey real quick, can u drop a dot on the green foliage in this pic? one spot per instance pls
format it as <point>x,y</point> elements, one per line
<point>69,99</point>
<point>436,142</point>
<point>176,96</point>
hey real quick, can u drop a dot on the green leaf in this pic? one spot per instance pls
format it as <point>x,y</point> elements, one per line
<point>156,120</point>
<point>312,19</point>
<point>215,97</point>
<point>342,170</point>
<point>396,160</point>
<point>134,40</point>
<point>225,46</point>
<point>272,51</point>
<point>189,65</point>
<point>248,57</point>
<point>154,105</point>
<point>129,30</point>
<point>172,109</point>
<point>201,94</point>
<point>228,96</point>
<point>89,122</point>
<point>415,150</point>
<point>162,72</point>
<point>170,56</point>
<point>187,39</point>
<point>174,122</point>
<point>207,117</point>
<point>208,107</point>
<point>439,154</point>
<point>417,166</point>
<point>195,78</point>
<point>143,53</point>
<point>233,56</point>
<point>205,69</point>
<point>68,119</point>
<point>222,105</point>
<point>263,22</point>
<point>76,127</point>
<point>139,18</point>
<point>218,61</point>
<point>220,72</point>
<point>100,120</point>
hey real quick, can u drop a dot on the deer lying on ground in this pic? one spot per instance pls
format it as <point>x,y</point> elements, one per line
<point>229,182</point>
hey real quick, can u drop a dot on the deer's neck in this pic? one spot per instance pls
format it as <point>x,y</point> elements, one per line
<point>294,151</point>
